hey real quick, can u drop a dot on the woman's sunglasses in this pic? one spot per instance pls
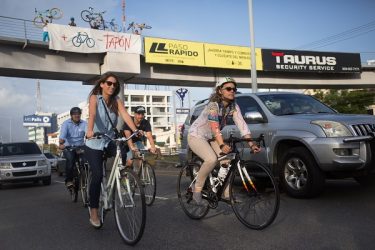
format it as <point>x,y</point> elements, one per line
<point>230,89</point>
<point>109,83</point>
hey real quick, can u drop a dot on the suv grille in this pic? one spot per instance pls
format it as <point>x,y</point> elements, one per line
<point>363,129</point>
<point>23,164</point>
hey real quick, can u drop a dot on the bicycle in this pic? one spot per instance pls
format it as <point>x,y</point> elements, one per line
<point>80,175</point>
<point>147,176</point>
<point>124,192</point>
<point>252,187</point>
<point>83,37</point>
<point>41,16</point>
<point>135,26</point>
<point>112,25</point>
<point>90,16</point>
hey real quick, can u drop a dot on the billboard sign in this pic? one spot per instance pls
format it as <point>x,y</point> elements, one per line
<point>36,121</point>
<point>310,61</point>
<point>230,57</point>
<point>176,52</point>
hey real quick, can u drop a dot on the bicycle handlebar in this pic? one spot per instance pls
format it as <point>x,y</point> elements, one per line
<point>98,135</point>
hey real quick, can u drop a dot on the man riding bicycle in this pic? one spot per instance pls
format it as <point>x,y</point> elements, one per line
<point>135,144</point>
<point>72,134</point>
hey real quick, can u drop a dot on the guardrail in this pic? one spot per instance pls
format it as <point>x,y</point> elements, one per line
<point>19,28</point>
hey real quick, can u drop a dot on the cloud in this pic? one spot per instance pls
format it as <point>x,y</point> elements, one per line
<point>9,98</point>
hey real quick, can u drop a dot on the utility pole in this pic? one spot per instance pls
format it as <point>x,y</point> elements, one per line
<point>254,84</point>
<point>123,16</point>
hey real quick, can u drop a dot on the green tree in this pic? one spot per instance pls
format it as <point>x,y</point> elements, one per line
<point>347,102</point>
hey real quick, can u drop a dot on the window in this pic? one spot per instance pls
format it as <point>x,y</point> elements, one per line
<point>19,149</point>
<point>197,111</point>
<point>247,104</point>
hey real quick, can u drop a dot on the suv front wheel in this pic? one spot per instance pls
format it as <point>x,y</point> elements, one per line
<point>300,176</point>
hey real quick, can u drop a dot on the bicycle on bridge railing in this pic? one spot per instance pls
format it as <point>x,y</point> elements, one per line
<point>95,19</point>
<point>124,192</point>
<point>253,191</point>
<point>42,16</point>
<point>138,28</point>
<point>80,174</point>
<point>112,26</point>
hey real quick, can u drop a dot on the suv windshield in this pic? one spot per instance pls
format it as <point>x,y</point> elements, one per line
<point>289,104</point>
<point>49,156</point>
<point>19,149</point>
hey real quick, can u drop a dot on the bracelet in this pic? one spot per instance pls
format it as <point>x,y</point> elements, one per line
<point>136,131</point>
<point>221,146</point>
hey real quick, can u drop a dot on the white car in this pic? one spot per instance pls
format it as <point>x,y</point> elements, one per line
<point>23,161</point>
<point>51,159</point>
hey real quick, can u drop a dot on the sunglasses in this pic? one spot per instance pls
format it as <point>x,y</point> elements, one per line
<point>230,89</point>
<point>109,83</point>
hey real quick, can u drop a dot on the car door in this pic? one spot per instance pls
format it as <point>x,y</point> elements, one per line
<point>257,127</point>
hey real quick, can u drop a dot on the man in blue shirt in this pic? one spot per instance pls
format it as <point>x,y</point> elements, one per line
<point>72,133</point>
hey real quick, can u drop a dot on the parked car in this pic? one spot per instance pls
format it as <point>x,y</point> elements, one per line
<point>52,160</point>
<point>23,161</point>
<point>306,140</point>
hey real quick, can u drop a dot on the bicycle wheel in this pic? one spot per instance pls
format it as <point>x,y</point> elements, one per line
<point>56,13</point>
<point>148,179</point>
<point>256,200</point>
<point>38,22</point>
<point>83,185</point>
<point>129,207</point>
<point>90,42</point>
<point>77,41</point>
<point>86,15</point>
<point>185,192</point>
<point>75,188</point>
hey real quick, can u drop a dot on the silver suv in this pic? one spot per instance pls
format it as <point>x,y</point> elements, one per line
<point>306,140</point>
<point>23,161</point>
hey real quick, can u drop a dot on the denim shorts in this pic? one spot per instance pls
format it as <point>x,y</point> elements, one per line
<point>139,145</point>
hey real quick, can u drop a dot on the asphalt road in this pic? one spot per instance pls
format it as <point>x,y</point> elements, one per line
<point>43,217</point>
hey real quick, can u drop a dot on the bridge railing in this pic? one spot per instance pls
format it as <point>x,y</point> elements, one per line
<point>19,28</point>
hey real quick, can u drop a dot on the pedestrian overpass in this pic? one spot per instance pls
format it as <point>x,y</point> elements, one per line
<point>33,59</point>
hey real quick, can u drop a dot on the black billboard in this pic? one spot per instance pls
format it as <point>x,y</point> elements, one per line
<point>310,61</point>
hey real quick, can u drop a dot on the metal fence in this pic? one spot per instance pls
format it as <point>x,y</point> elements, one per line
<point>19,28</point>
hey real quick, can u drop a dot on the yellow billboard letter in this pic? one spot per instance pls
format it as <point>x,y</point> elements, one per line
<point>166,51</point>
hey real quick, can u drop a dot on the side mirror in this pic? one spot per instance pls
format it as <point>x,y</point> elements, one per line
<point>254,116</point>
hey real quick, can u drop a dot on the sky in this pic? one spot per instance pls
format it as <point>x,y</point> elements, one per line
<point>320,25</point>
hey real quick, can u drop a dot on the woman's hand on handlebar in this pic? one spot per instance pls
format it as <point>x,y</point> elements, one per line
<point>89,134</point>
<point>254,147</point>
<point>226,149</point>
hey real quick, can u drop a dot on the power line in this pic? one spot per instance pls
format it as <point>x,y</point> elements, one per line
<point>324,45</point>
<point>338,37</point>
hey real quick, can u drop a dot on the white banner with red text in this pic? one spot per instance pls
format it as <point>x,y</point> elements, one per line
<point>85,40</point>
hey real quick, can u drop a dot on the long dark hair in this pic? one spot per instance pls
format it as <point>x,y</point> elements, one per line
<point>216,96</point>
<point>97,90</point>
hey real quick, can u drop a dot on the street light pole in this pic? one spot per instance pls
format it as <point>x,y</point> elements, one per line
<point>254,85</point>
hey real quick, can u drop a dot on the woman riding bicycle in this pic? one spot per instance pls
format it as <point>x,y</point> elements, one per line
<point>104,109</point>
<point>209,124</point>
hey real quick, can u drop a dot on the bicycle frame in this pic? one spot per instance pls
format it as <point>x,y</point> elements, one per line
<point>235,163</point>
<point>113,179</point>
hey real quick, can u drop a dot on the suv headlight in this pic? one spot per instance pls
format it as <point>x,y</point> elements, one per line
<point>333,129</point>
<point>42,162</point>
<point>5,165</point>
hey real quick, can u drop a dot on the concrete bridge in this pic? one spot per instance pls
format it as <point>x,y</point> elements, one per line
<point>33,59</point>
